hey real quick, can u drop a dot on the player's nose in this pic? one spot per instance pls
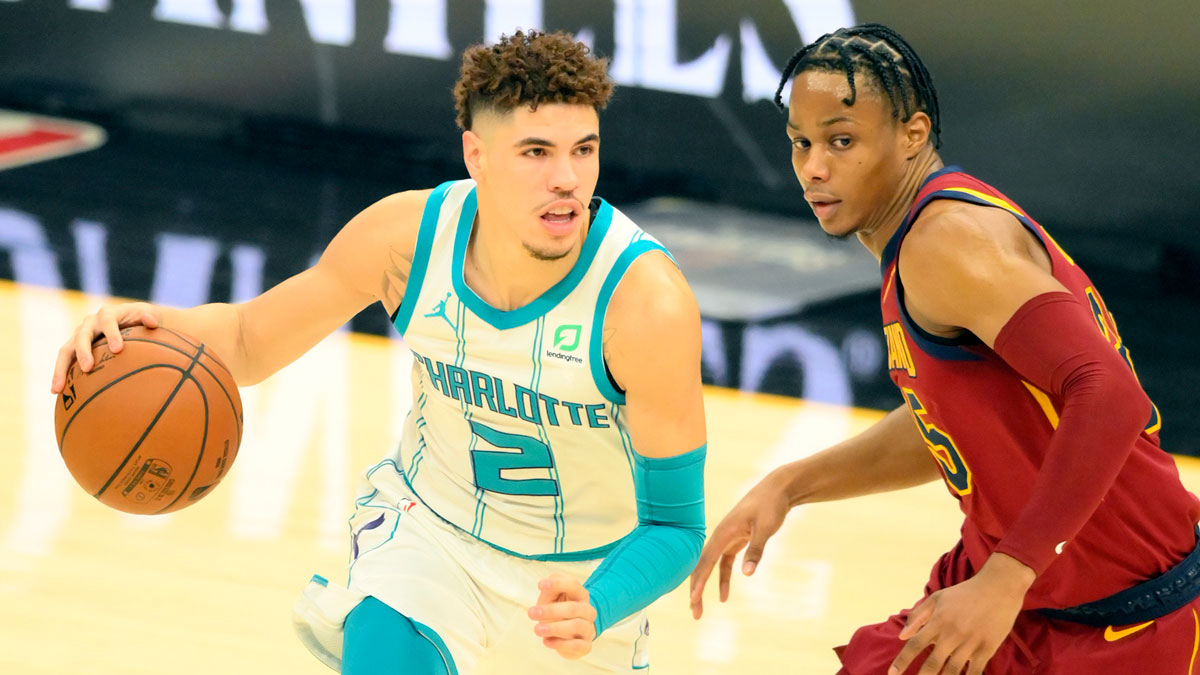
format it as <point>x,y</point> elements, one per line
<point>815,167</point>
<point>563,177</point>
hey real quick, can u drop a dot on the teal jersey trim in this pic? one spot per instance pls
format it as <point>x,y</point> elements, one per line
<point>503,320</point>
<point>626,442</point>
<point>596,341</point>
<point>569,556</point>
<point>460,358</point>
<point>416,276</point>
<point>535,384</point>
<point>664,547</point>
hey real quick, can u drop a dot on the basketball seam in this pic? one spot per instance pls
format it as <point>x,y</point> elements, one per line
<point>180,336</point>
<point>236,418</point>
<point>203,438</point>
<point>96,394</point>
<point>211,355</point>
<point>150,426</point>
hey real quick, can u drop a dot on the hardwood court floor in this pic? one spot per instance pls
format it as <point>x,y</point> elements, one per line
<point>84,589</point>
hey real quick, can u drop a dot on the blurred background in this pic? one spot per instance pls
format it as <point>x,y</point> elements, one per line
<point>187,151</point>
<point>241,134</point>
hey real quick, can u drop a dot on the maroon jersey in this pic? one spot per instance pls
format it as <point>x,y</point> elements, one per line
<point>988,430</point>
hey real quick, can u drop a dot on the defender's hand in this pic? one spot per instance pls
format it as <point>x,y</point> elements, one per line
<point>566,620</point>
<point>755,518</point>
<point>107,321</point>
<point>967,622</point>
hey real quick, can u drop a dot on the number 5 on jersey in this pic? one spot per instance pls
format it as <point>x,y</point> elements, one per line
<point>954,467</point>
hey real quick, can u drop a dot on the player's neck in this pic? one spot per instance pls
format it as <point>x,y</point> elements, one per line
<point>886,221</point>
<point>506,275</point>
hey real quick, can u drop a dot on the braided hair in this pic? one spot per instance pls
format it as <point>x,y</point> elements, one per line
<point>875,49</point>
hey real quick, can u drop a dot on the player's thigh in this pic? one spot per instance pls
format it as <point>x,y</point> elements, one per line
<point>623,648</point>
<point>1166,646</point>
<point>512,588</point>
<point>401,558</point>
<point>872,649</point>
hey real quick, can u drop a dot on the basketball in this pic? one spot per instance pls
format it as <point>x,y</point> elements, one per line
<point>153,428</point>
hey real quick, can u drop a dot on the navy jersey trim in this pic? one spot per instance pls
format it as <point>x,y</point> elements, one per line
<point>946,349</point>
<point>416,276</point>
<point>504,320</point>
<point>893,246</point>
<point>1025,220</point>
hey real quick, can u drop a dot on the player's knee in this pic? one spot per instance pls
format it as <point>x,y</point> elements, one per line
<point>378,640</point>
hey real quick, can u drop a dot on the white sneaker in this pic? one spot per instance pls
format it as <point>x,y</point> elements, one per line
<point>318,617</point>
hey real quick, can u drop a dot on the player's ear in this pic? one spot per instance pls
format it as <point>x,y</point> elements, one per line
<point>473,154</point>
<point>915,133</point>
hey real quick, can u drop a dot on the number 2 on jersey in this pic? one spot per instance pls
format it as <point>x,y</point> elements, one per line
<point>958,475</point>
<point>489,465</point>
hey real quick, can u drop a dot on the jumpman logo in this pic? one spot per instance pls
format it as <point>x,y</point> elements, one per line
<point>440,310</point>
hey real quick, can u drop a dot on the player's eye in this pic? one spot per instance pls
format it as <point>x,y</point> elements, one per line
<point>800,143</point>
<point>841,142</point>
<point>585,150</point>
<point>534,152</point>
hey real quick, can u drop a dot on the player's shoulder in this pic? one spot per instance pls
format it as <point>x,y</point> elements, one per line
<point>392,222</point>
<point>953,232</point>
<point>653,297</point>
<point>399,208</point>
<point>652,324</point>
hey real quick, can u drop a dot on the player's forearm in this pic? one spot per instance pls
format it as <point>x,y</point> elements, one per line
<point>890,455</point>
<point>660,552</point>
<point>258,337</point>
<point>1103,412</point>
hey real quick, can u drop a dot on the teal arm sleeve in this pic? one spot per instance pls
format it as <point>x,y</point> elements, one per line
<point>663,548</point>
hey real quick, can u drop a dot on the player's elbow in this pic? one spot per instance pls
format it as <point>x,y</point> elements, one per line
<point>698,537</point>
<point>691,544</point>
<point>1111,394</point>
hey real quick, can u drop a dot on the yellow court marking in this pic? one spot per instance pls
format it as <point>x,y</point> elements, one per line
<point>1113,635</point>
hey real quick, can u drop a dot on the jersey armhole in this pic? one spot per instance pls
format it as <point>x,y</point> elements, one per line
<point>421,252</point>
<point>601,375</point>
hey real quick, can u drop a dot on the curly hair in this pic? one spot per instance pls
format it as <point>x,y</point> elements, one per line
<point>528,69</point>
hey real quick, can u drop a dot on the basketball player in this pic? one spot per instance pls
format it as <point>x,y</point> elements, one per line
<point>1078,549</point>
<point>549,481</point>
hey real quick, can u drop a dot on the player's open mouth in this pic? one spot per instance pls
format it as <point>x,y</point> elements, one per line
<point>560,218</point>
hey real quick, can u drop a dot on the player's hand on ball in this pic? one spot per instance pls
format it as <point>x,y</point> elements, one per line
<point>107,321</point>
<point>755,518</point>
<point>566,620</point>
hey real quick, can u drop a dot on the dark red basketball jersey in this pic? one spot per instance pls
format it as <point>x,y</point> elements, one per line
<point>988,430</point>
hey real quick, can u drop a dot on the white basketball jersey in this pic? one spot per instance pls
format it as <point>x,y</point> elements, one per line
<point>517,434</point>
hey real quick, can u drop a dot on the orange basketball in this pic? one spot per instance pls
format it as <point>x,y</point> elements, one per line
<point>153,428</point>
